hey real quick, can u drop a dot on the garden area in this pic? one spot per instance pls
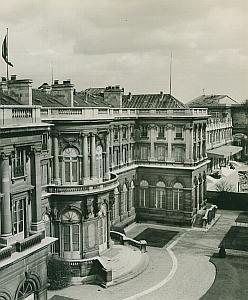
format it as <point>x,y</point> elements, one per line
<point>156,237</point>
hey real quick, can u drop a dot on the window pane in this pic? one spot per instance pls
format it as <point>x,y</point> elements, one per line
<point>67,171</point>
<point>74,171</point>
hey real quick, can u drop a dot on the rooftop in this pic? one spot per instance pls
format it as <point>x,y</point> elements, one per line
<point>212,101</point>
<point>151,101</point>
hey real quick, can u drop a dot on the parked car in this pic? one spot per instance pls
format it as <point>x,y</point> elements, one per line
<point>216,175</point>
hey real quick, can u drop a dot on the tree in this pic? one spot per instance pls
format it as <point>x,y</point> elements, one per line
<point>58,272</point>
<point>224,186</point>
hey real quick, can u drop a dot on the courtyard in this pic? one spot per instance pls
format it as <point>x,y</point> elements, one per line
<point>183,268</point>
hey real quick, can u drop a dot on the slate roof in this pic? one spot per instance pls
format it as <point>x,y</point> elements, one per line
<point>45,99</point>
<point>151,101</point>
<point>86,99</point>
<point>212,101</point>
<point>7,100</point>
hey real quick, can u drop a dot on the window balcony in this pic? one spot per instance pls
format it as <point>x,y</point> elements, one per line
<point>104,186</point>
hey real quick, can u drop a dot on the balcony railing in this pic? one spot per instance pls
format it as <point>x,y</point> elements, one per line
<point>84,189</point>
<point>19,115</point>
<point>89,113</point>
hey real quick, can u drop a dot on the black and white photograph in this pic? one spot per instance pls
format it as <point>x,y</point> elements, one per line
<point>124,150</point>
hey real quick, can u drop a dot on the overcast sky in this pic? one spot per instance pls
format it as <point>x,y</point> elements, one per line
<point>96,43</point>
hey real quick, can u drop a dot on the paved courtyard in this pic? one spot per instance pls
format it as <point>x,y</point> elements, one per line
<point>179,270</point>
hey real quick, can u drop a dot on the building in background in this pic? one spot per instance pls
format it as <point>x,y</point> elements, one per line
<point>219,129</point>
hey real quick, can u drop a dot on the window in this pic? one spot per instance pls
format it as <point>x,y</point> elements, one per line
<point>71,231</point>
<point>99,162</point>
<point>160,195</point>
<point>143,131</point>
<point>161,132</point>
<point>18,163</point>
<point>177,196</point>
<point>179,154</point>
<point>44,141</point>
<point>144,152</point>
<point>116,204</point>
<point>179,132</point>
<point>132,131</point>
<point>71,165</point>
<point>161,152</point>
<point>125,200</point>
<point>46,219</point>
<point>144,199</point>
<point>124,132</point>
<point>131,195</point>
<point>116,133</point>
<point>18,216</point>
<point>26,291</point>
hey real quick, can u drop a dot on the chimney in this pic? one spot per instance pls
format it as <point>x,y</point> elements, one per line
<point>3,85</point>
<point>45,88</point>
<point>161,95</point>
<point>113,95</point>
<point>20,89</point>
<point>64,91</point>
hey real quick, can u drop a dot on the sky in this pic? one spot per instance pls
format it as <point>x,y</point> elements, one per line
<point>97,43</point>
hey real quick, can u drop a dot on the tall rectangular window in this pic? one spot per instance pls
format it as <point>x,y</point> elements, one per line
<point>44,141</point>
<point>143,131</point>
<point>144,152</point>
<point>18,216</point>
<point>179,154</point>
<point>124,132</point>
<point>160,132</point>
<point>18,163</point>
<point>179,132</point>
<point>44,174</point>
<point>116,133</point>
<point>161,152</point>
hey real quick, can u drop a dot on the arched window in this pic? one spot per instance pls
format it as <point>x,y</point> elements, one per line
<point>99,162</point>
<point>160,195</point>
<point>71,234</point>
<point>26,291</point>
<point>144,199</point>
<point>71,169</point>
<point>177,196</point>
<point>124,192</point>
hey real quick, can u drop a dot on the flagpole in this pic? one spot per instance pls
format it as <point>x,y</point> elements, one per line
<point>170,72</point>
<point>7,67</point>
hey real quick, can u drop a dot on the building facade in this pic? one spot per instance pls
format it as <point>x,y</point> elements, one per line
<point>219,129</point>
<point>82,163</point>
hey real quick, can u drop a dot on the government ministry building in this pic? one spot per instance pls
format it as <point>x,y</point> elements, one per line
<point>76,165</point>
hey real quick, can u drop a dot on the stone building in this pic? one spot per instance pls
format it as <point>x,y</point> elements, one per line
<point>219,129</point>
<point>94,160</point>
<point>23,244</point>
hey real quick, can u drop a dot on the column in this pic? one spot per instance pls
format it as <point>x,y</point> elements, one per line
<point>56,178</point>
<point>85,158</point>
<point>93,156</point>
<point>6,223</point>
<point>37,223</point>
<point>152,128</point>
<point>201,137</point>
<point>189,144</point>
<point>120,142</point>
<point>169,135</point>
<point>107,142</point>
<point>112,145</point>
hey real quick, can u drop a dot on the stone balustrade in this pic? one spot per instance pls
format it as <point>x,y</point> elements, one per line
<point>5,252</point>
<point>29,242</point>
<point>124,240</point>
<point>89,113</point>
<point>84,189</point>
<point>19,115</point>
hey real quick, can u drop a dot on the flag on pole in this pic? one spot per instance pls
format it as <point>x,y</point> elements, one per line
<point>5,51</point>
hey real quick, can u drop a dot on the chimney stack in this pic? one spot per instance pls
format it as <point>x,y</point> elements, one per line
<point>3,85</point>
<point>20,89</point>
<point>64,91</point>
<point>113,95</point>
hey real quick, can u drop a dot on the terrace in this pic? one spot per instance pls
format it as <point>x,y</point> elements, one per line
<point>19,115</point>
<point>84,189</point>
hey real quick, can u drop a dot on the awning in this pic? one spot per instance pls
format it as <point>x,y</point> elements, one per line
<point>224,151</point>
